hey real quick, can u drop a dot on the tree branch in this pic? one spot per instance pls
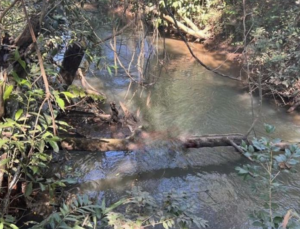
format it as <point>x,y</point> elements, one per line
<point>43,72</point>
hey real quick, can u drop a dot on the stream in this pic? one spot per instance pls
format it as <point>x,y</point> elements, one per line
<point>186,100</point>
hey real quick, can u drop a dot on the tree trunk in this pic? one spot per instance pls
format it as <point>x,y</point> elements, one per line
<point>24,39</point>
<point>71,62</point>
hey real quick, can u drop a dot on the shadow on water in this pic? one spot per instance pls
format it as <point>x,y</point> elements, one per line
<point>210,179</point>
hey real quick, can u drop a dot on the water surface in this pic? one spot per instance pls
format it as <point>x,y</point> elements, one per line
<point>185,100</point>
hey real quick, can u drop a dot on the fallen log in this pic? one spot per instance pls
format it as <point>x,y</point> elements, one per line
<point>82,144</point>
<point>138,141</point>
<point>213,140</point>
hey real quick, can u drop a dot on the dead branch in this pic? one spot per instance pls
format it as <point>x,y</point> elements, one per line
<point>89,89</point>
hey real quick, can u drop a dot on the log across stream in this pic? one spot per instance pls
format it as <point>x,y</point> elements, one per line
<point>84,144</point>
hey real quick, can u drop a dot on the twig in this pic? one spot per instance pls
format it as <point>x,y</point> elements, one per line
<point>251,127</point>
<point>75,104</point>
<point>120,63</point>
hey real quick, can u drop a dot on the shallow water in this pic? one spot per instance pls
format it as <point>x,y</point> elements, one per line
<point>185,100</point>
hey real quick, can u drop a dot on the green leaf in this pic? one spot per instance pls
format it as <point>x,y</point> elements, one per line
<point>1,224</point>
<point>165,225</point>
<point>269,128</point>
<point>280,158</point>
<point>16,77</point>
<point>247,154</point>
<point>43,188</point>
<point>34,169</point>
<point>43,157</point>
<point>4,161</point>
<point>13,226</point>
<point>18,114</point>
<point>22,63</point>
<point>17,54</point>
<point>288,153</point>
<point>18,58</point>
<point>68,94</point>
<point>7,92</point>
<point>113,206</point>
<point>60,102</point>
<point>251,149</point>
<point>2,142</point>
<point>258,224</point>
<point>241,170</point>
<point>65,227</point>
<point>70,219</point>
<point>41,146</point>
<point>292,162</point>
<point>54,146</point>
<point>77,227</point>
<point>47,134</point>
<point>109,70</point>
<point>28,190</point>
<point>70,181</point>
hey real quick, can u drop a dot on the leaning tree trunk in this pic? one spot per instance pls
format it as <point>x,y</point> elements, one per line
<point>71,62</point>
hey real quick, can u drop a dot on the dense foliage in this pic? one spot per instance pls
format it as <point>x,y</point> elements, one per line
<point>32,100</point>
